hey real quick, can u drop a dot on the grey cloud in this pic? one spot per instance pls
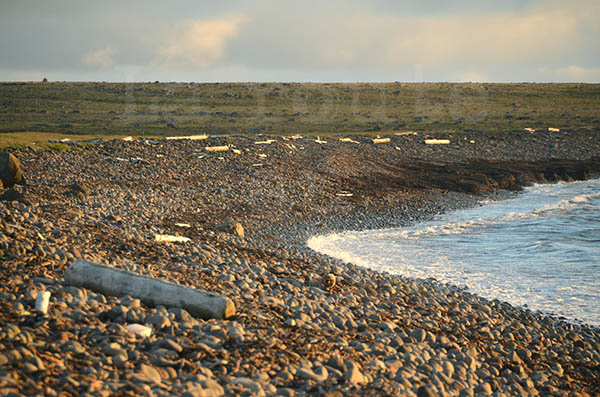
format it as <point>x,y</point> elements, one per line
<point>335,40</point>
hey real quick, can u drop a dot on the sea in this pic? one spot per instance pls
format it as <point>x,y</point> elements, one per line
<point>539,250</point>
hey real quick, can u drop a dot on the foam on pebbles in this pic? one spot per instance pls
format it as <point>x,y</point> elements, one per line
<point>306,324</point>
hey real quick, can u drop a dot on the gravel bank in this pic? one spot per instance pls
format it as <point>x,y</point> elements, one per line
<point>305,324</point>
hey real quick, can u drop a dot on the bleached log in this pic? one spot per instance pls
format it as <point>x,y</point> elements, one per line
<point>529,129</point>
<point>216,148</point>
<point>550,129</point>
<point>350,140</point>
<point>404,133</point>
<point>116,282</point>
<point>267,142</point>
<point>319,141</point>
<point>189,138</point>
<point>344,193</point>
<point>437,141</point>
<point>377,141</point>
<point>187,225</point>
<point>167,238</point>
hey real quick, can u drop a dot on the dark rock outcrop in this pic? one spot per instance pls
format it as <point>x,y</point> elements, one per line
<point>11,172</point>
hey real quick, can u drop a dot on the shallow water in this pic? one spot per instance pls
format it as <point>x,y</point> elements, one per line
<point>540,249</point>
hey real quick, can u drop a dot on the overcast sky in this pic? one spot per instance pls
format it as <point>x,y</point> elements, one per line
<point>269,40</point>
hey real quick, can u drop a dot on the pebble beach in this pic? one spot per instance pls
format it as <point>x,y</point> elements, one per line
<point>305,324</point>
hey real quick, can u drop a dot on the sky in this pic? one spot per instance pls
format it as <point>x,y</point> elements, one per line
<point>309,40</point>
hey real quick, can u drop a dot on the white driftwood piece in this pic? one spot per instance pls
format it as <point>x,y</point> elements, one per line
<point>528,129</point>
<point>189,138</point>
<point>267,142</point>
<point>350,140</point>
<point>116,282</point>
<point>550,129</point>
<point>380,140</point>
<point>437,141</point>
<point>216,148</point>
<point>167,238</point>
<point>404,133</point>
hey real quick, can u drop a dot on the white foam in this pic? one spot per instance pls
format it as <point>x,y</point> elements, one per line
<point>488,250</point>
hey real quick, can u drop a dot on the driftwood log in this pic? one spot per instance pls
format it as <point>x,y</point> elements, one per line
<point>116,282</point>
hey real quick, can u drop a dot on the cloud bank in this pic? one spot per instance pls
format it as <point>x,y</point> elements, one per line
<point>264,40</point>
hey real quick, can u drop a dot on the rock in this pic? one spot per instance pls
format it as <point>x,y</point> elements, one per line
<point>254,387</point>
<point>140,330</point>
<point>117,314</point>
<point>11,172</point>
<point>353,374</point>
<point>149,373</point>
<point>159,321</point>
<point>319,374</point>
<point>426,391</point>
<point>483,389</point>
<point>230,226</point>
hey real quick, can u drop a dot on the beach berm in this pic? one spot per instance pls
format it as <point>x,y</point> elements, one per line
<point>304,324</point>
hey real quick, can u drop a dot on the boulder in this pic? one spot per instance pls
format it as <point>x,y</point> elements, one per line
<point>232,227</point>
<point>11,172</point>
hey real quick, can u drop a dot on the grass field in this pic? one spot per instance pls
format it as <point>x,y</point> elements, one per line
<point>292,108</point>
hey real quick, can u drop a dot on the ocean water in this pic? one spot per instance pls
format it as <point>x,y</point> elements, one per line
<point>540,250</point>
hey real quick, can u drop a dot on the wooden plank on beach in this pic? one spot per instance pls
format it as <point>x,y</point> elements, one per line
<point>216,148</point>
<point>377,141</point>
<point>167,238</point>
<point>117,282</point>
<point>437,141</point>
<point>188,137</point>
<point>404,133</point>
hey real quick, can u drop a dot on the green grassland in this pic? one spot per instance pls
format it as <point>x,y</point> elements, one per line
<point>292,108</point>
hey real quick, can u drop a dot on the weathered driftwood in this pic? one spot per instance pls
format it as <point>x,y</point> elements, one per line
<point>404,133</point>
<point>320,141</point>
<point>350,140</point>
<point>216,148</point>
<point>377,141</point>
<point>528,129</point>
<point>267,142</point>
<point>437,141</point>
<point>167,238</point>
<point>550,129</point>
<point>116,282</point>
<point>189,138</point>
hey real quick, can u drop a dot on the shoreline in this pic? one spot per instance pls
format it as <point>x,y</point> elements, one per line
<point>294,333</point>
<point>346,254</point>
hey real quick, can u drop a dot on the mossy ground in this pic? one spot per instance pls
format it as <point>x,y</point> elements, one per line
<point>162,109</point>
